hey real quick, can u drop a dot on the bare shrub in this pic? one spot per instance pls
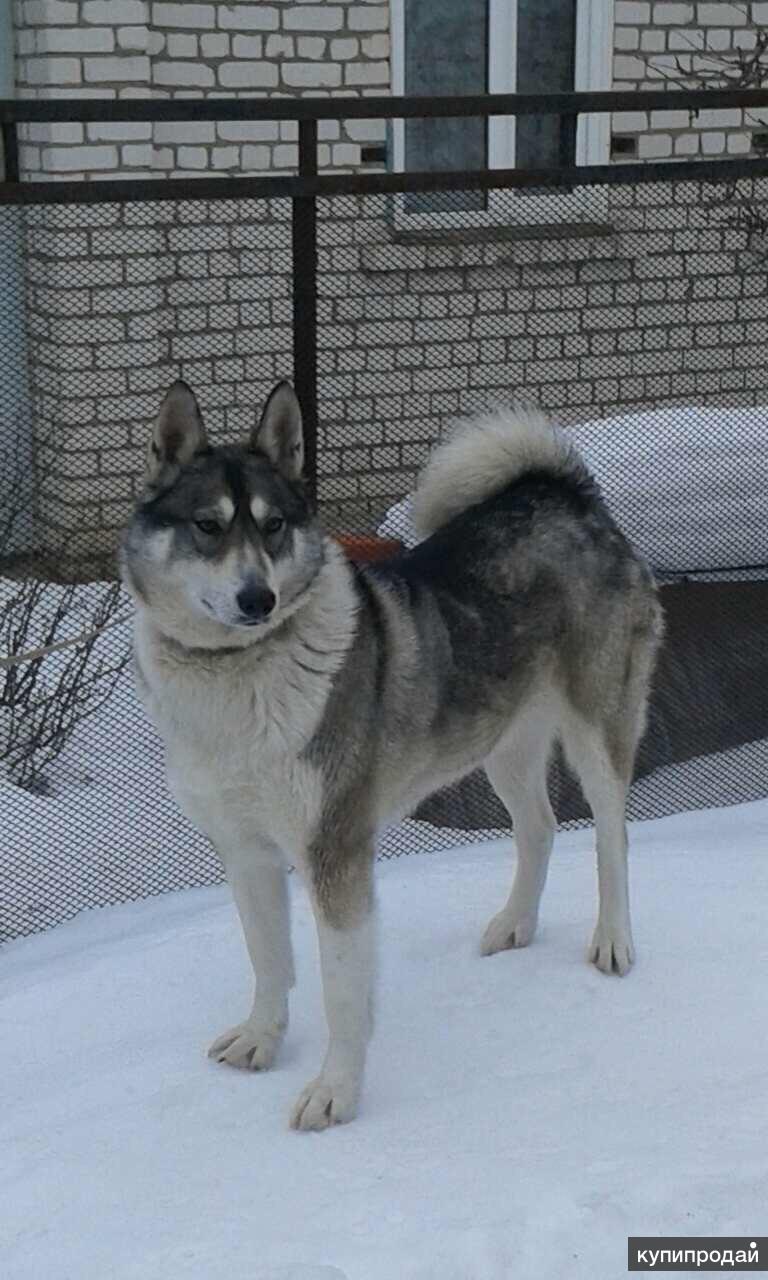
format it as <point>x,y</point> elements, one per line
<point>57,667</point>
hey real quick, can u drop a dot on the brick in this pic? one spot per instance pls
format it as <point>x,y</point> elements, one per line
<point>117,69</point>
<point>170,131</point>
<point>725,119</point>
<point>106,11</point>
<point>53,70</point>
<point>625,67</point>
<point>247,46</point>
<point>341,50</point>
<point>181,45</point>
<point>672,14</point>
<point>719,15</point>
<point>78,159</point>
<point>248,130</point>
<point>280,47</point>
<point>248,75</point>
<point>215,46</point>
<point>197,239</point>
<point>191,75</point>
<point>376,46</point>
<point>367,130</point>
<point>285,157</point>
<point>686,40</point>
<point>718,40</point>
<point>248,17</point>
<point>362,73</point>
<point>137,155</point>
<point>76,40</point>
<point>687,144</point>
<point>192,158</point>
<point>49,133</point>
<point>670,120</point>
<point>634,14</point>
<point>654,146</point>
<point>59,244</point>
<point>629,122</point>
<point>345,155</point>
<point>626,38</point>
<point>125,355</point>
<point>311,47</point>
<point>326,17</point>
<point>138,40</point>
<point>202,16</point>
<point>712,144</point>
<point>311,75</point>
<point>653,41</point>
<point>48,12</point>
<point>370,18</point>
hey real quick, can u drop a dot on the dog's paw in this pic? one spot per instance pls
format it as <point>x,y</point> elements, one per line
<point>506,931</point>
<point>325,1102</point>
<point>252,1046</point>
<point>612,949</point>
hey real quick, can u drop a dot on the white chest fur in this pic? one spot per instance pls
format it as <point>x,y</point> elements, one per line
<point>236,725</point>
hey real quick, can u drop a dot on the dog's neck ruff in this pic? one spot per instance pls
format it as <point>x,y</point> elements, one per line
<point>197,651</point>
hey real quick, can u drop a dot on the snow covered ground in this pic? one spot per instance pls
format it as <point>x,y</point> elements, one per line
<point>523,1114</point>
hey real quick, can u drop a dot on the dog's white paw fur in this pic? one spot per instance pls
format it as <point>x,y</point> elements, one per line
<point>507,930</point>
<point>612,949</point>
<point>325,1102</point>
<point>251,1045</point>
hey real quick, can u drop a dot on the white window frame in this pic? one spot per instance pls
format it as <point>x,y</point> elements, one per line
<point>593,70</point>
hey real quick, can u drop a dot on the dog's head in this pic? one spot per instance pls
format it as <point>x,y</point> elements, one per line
<point>223,543</point>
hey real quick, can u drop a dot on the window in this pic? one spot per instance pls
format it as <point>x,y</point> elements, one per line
<point>498,46</point>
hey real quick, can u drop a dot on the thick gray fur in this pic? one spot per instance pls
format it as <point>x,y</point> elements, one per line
<point>306,703</point>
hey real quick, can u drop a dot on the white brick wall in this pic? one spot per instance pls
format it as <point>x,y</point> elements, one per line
<point>139,47</point>
<point>124,298</point>
<point>668,43</point>
<point>124,48</point>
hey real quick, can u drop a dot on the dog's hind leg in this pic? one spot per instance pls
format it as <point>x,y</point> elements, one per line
<point>259,885</point>
<point>605,779</point>
<point>342,896</point>
<point>517,770</point>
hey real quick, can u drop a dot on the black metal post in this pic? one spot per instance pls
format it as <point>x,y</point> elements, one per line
<point>10,151</point>
<point>568,126</point>
<point>304,262</point>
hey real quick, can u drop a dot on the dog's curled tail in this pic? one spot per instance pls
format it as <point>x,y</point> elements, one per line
<point>485,454</point>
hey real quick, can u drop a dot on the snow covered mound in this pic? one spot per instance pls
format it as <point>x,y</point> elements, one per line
<point>522,1115</point>
<point>687,483</point>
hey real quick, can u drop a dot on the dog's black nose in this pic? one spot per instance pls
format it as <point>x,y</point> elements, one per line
<point>255,603</point>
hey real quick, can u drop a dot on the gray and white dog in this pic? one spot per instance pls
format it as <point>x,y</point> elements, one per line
<point>305,702</point>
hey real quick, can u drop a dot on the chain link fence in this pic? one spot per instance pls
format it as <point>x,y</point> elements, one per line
<point>637,314</point>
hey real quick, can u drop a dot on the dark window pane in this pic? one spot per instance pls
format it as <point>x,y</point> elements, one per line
<point>546,41</point>
<point>446,52</point>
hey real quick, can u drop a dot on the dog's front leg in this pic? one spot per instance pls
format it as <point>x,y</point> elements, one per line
<point>259,885</point>
<point>344,914</point>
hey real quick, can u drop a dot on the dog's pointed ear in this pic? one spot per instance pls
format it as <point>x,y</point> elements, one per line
<point>178,432</point>
<point>279,433</point>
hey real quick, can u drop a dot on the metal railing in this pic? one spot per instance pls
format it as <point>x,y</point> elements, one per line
<point>305,187</point>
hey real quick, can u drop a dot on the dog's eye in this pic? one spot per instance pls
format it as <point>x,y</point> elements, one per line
<point>274,524</point>
<point>208,526</point>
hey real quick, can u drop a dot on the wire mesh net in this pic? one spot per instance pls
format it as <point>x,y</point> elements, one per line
<point>636,314</point>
